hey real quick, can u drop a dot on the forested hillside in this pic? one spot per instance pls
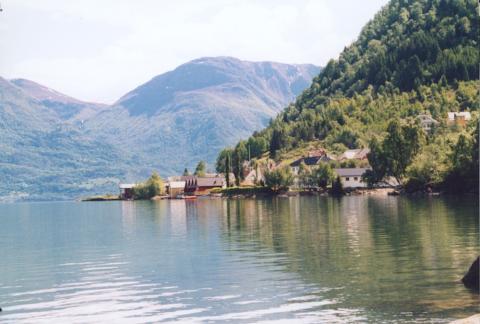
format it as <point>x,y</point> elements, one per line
<point>414,57</point>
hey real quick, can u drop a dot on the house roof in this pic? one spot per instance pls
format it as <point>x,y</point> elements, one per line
<point>313,160</point>
<point>427,119</point>
<point>210,182</point>
<point>126,185</point>
<point>350,172</point>
<point>354,154</point>
<point>176,184</point>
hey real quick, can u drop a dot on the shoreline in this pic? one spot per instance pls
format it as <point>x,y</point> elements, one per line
<point>257,192</point>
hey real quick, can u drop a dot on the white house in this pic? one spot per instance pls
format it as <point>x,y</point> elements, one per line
<point>352,177</point>
<point>427,122</point>
<point>459,118</point>
<point>175,188</point>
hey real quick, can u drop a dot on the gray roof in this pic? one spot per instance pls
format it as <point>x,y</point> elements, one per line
<point>351,172</point>
<point>307,160</point>
<point>210,182</point>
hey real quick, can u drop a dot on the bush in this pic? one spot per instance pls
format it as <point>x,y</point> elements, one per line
<point>323,175</point>
<point>278,179</point>
<point>150,188</point>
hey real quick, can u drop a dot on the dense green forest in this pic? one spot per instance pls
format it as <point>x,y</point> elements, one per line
<point>413,58</point>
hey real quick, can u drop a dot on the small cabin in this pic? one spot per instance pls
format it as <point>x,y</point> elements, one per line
<point>352,177</point>
<point>126,190</point>
<point>202,185</point>
<point>205,185</point>
<point>175,188</point>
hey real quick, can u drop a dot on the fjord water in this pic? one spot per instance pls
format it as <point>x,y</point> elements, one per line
<point>304,260</point>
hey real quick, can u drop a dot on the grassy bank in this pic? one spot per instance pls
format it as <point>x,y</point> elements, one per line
<point>101,198</point>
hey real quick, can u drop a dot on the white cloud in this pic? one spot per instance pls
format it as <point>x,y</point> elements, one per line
<point>98,50</point>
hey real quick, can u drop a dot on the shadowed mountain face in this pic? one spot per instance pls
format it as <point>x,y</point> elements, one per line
<point>55,146</point>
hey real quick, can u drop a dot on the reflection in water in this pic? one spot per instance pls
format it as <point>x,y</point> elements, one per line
<point>308,260</point>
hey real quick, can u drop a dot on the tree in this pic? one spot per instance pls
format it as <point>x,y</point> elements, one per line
<point>337,188</point>
<point>305,178</point>
<point>323,175</point>
<point>463,174</point>
<point>200,169</point>
<point>278,140</point>
<point>257,145</point>
<point>278,179</point>
<point>150,188</point>
<point>220,164</point>
<point>224,164</point>
<point>376,159</point>
<point>240,154</point>
<point>185,172</point>
<point>399,148</point>
<point>227,169</point>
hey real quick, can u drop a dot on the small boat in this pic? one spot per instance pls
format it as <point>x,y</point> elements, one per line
<point>190,197</point>
<point>180,196</point>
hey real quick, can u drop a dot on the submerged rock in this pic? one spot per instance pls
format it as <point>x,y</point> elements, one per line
<point>470,280</point>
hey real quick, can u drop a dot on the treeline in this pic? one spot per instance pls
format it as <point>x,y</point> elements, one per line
<point>408,43</point>
<point>448,162</point>
<point>414,57</point>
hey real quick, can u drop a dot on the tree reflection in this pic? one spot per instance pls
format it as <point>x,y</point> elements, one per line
<point>379,251</point>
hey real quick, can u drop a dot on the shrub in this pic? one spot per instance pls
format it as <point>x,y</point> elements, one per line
<point>280,178</point>
<point>150,188</point>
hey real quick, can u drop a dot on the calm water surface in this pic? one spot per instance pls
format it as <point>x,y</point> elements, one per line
<point>299,260</point>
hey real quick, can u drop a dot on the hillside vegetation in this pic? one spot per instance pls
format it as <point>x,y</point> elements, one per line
<point>414,57</point>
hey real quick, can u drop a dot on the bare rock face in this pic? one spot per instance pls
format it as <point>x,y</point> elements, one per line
<point>470,280</point>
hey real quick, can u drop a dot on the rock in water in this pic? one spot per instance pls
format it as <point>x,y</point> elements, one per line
<point>470,280</point>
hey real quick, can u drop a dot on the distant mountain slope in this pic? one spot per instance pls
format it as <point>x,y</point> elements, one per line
<point>273,84</point>
<point>66,108</point>
<point>55,147</point>
<point>43,157</point>
<point>190,113</point>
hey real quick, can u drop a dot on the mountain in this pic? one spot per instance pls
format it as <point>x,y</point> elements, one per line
<point>65,107</point>
<point>190,113</point>
<point>44,157</point>
<point>412,58</point>
<point>53,146</point>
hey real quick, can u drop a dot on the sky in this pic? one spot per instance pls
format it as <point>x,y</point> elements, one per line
<point>98,50</point>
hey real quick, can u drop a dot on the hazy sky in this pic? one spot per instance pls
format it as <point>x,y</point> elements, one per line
<point>98,50</point>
